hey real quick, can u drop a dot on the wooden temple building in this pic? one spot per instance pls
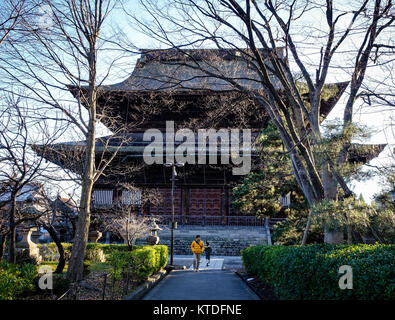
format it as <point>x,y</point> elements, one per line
<point>161,89</point>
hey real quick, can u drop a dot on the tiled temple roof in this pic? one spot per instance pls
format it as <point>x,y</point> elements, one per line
<point>172,70</point>
<point>175,72</point>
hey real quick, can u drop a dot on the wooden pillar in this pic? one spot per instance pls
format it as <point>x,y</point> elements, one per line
<point>225,211</point>
<point>222,218</point>
<point>224,205</point>
<point>184,203</point>
<point>226,200</point>
<point>116,195</point>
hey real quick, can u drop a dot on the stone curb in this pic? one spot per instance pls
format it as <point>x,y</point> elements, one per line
<point>146,286</point>
<point>250,286</point>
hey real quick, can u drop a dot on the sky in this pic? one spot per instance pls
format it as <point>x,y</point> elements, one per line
<point>379,123</point>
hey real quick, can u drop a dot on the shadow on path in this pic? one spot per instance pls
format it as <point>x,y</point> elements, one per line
<point>203,285</point>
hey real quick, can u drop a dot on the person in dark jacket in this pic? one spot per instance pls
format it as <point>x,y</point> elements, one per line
<point>208,251</point>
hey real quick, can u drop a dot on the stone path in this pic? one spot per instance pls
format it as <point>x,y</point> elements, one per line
<point>215,264</point>
<point>203,285</point>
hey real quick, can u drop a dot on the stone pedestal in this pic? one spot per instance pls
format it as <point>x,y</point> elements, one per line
<point>27,245</point>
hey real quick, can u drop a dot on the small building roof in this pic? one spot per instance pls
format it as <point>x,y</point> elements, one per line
<point>66,205</point>
<point>31,198</point>
<point>29,192</point>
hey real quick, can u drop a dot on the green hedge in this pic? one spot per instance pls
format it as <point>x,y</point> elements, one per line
<point>144,261</point>
<point>162,253</point>
<point>49,251</point>
<point>311,272</point>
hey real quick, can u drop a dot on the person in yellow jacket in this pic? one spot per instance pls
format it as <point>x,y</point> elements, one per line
<point>197,247</point>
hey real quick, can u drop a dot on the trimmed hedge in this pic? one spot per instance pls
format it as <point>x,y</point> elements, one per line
<point>162,253</point>
<point>311,272</point>
<point>144,261</point>
<point>94,251</point>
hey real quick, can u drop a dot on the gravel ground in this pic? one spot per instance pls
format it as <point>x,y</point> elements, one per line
<point>91,288</point>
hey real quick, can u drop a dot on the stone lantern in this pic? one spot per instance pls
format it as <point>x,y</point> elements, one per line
<point>27,245</point>
<point>94,236</point>
<point>153,238</point>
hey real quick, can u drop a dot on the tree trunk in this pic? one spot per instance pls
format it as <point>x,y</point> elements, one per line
<point>349,235</point>
<point>11,245</point>
<point>62,259</point>
<point>306,230</point>
<point>76,263</point>
<point>2,246</point>
<point>330,190</point>
<point>73,226</point>
<point>12,233</point>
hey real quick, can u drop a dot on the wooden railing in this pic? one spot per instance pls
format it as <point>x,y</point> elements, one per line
<point>211,220</point>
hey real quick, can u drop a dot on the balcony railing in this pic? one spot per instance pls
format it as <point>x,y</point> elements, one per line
<point>211,220</point>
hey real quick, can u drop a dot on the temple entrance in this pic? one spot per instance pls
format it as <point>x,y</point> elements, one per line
<point>200,206</point>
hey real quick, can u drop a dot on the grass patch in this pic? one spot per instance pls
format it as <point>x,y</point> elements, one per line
<point>53,265</point>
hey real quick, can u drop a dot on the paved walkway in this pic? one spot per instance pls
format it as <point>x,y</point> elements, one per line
<point>229,262</point>
<point>203,285</point>
<point>215,264</point>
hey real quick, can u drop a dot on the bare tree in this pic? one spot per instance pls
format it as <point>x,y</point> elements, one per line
<point>20,166</point>
<point>3,225</point>
<point>59,59</point>
<point>124,219</point>
<point>271,38</point>
<point>128,226</point>
<point>69,57</point>
<point>11,13</point>
<point>51,221</point>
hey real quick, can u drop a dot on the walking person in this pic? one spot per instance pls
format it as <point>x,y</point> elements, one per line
<point>208,251</point>
<point>197,247</point>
